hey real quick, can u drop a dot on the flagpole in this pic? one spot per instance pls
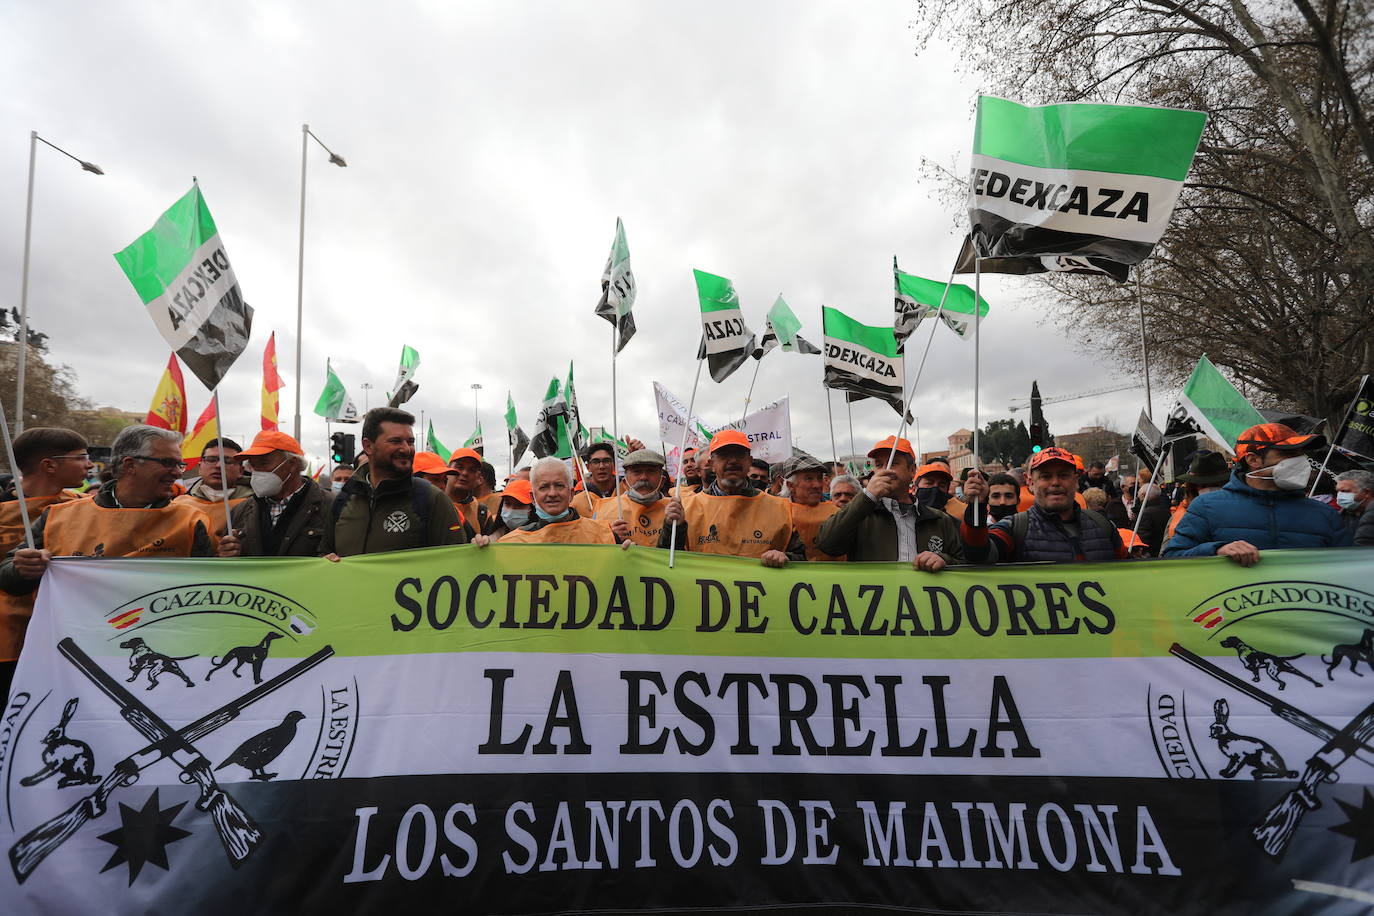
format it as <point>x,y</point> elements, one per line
<point>1139,500</point>
<point>18,483</point>
<point>911,400</point>
<point>830,416</point>
<point>1144,351</point>
<point>328,437</point>
<point>615,418</point>
<point>1339,431</point>
<point>686,429</point>
<point>758,362</point>
<point>977,324</point>
<point>219,433</point>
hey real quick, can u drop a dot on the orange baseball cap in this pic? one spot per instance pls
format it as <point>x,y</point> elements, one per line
<point>889,443</point>
<point>269,440</point>
<point>1270,435</point>
<point>934,467</point>
<point>1054,453</point>
<point>429,463</point>
<point>729,437</point>
<point>520,491</point>
<point>464,453</point>
<point>1130,538</point>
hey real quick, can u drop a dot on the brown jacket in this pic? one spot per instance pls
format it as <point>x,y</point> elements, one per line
<point>297,533</point>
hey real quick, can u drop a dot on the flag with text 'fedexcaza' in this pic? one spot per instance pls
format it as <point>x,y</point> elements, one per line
<point>781,330</point>
<point>1077,180</point>
<point>618,289</point>
<point>918,298</point>
<point>182,274</point>
<point>861,359</point>
<point>726,341</point>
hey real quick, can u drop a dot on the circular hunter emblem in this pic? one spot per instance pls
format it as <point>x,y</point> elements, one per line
<point>396,522</point>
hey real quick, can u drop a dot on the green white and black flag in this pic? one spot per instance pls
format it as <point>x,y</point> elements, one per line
<point>514,434</point>
<point>550,429</point>
<point>862,360</point>
<point>404,388</point>
<point>918,298</point>
<point>618,289</point>
<point>726,342</point>
<point>1078,180</point>
<point>781,330</point>
<point>182,274</point>
<point>334,403</point>
<point>1040,264</point>
<point>474,441</point>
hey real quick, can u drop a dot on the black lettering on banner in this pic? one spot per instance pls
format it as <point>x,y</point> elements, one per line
<point>937,684</point>
<point>1018,190</point>
<point>839,610</point>
<point>1020,603</point>
<point>742,682</point>
<point>1111,196</point>
<point>539,602</point>
<point>694,712</point>
<point>790,716</point>
<point>795,612</point>
<point>490,583</point>
<point>652,622</point>
<point>576,584</point>
<point>494,744</point>
<point>937,592</point>
<point>980,627</point>
<point>1058,608</point>
<point>867,629</point>
<point>1005,717</point>
<point>563,715</point>
<point>997,184</point>
<point>894,747</point>
<point>1138,206</point>
<point>906,610</point>
<point>1108,618</point>
<point>750,621</point>
<point>640,707</point>
<point>707,625</point>
<point>846,713</point>
<point>409,604</point>
<point>454,602</point>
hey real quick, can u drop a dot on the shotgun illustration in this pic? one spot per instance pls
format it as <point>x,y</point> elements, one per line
<point>1288,713</point>
<point>1276,830</point>
<point>236,829</point>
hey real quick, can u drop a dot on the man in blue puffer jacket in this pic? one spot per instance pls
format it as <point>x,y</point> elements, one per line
<point>1263,507</point>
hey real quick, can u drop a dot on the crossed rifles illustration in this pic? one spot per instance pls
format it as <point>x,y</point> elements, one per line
<point>236,829</point>
<point>1276,829</point>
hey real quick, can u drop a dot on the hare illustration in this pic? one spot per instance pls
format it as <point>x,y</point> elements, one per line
<point>72,758</point>
<point>1264,762</point>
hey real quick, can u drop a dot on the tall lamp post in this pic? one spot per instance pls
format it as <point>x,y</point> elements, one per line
<point>476,387</point>
<point>24,273</point>
<point>336,159</point>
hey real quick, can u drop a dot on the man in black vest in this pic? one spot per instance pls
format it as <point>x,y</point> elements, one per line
<point>1052,529</point>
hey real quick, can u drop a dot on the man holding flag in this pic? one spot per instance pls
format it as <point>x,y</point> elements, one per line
<point>730,517</point>
<point>637,514</point>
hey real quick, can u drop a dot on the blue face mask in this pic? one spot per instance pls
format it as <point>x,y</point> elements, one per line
<point>514,518</point>
<point>1345,500</point>
<point>546,516</point>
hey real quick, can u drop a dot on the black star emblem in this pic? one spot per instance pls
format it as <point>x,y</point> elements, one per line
<point>1359,826</point>
<point>144,836</point>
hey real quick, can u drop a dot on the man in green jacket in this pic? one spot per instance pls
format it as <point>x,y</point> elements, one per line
<point>384,506</point>
<point>884,523</point>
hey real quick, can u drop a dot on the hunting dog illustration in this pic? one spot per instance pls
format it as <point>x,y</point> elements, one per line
<point>253,656</point>
<point>71,758</point>
<point>142,658</point>
<point>1362,651</point>
<point>1243,751</point>
<point>1256,662</point>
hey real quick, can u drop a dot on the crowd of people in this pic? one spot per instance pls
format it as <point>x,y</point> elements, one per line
<point>259,501</point>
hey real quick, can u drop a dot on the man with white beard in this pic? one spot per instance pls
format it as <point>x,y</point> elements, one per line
<point>637,514</point>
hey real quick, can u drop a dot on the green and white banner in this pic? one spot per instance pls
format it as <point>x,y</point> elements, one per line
<point>918,298</point>
<point>181,272</point>
<point>1211,405</point>
<point>1077,180</point>
<point>726,341</point>
<point>531,729</point>
<point>861,359</point>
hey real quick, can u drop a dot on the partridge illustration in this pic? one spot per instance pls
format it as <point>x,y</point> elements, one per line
<point>264,747</point>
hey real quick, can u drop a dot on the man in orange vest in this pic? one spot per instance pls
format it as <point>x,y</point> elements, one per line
<point>463,486</point>
<point>132,516</point>
<point>51,460</point>
<point>556,521</point>
<point>730,516</point>
<point>221,474</point>
<point>806,481</point>
<point>637,514</point>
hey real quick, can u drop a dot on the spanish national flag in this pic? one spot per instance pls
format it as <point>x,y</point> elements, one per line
<point>168,410</point>
<point>271,384</point>
<point>206,430</point>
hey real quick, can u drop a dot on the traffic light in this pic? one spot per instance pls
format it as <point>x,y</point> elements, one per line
<point>1037,437</point>
<point>341,448</point>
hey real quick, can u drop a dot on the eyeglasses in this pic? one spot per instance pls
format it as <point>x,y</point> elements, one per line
<point>213,459</point>
<point>171,464</point>
<point>82,457</point>
<point>600,462</point>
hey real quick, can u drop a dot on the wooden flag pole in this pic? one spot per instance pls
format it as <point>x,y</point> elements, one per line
<point>18,483</point>
<point>686,430</point>
<point>911,400</point>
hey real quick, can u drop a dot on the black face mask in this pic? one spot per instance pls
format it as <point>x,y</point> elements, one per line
<point>1000,512</point>
<point>934,497</point>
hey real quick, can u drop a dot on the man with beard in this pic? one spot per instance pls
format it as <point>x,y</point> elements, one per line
<point>1053,529</point>
<point>806,481</point>
<point>384,506</point>
<point>730,516</point>
<point>463,488</point>
<point>884,524</point>
<point>637,516</point>
<point>556,521</point>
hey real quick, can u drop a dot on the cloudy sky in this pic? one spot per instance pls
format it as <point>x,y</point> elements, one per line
<point>490,148</point>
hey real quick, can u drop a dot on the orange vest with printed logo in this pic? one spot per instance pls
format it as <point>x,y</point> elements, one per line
<point>15,610</point>
<point>807,520</point>
<point>213,509</point>
<point>82,529</point>
<point>737,526</point>
<point>645,521</point>
<point>574,531</point>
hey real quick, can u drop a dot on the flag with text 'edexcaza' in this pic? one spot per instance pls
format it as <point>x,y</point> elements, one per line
<point>182,274</point>
<point>861,359</point>
<point>918,298</point>
<point>618,289</point>
<point>1077,180</point>
<point>726,341</point>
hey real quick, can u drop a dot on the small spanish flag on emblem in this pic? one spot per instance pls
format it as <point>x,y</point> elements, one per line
<point>126,619</point>
<point>1209,618</point>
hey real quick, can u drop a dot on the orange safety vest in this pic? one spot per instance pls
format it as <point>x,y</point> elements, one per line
<point>81,528</point>
<point>1175,516</point>
<point>807,520</point>
<point>213,509</point>
<point>15,610</point>
<point>737,526</point>
<point>645,521</point>
<point>574,531</point>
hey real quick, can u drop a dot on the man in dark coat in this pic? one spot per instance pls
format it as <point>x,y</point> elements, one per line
<point>288,512</point>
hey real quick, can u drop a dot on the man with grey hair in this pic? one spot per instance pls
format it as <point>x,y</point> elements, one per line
<point>288,512</point>
<point>132,516</point>
<point>636,515</point>
<point>1355,496</point>
<point>844,488</point>
<point>555,521</point>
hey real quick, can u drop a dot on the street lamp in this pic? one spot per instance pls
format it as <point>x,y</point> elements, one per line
<point>24,273</point>
<point>476,387</point>
<point>336,159</point>
<point>367,396</point>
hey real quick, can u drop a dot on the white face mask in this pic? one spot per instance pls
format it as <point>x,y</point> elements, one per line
<point>1346,500</point>
<point>337,485</point>
<point>514,518</point>
<point>1289,474</point>
<point>266,483</point>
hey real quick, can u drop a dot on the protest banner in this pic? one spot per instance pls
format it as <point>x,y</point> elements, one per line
<point>490,729</point>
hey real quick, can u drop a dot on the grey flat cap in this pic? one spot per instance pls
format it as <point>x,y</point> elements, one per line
<point>799,463</point>
<point>644,456</point>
